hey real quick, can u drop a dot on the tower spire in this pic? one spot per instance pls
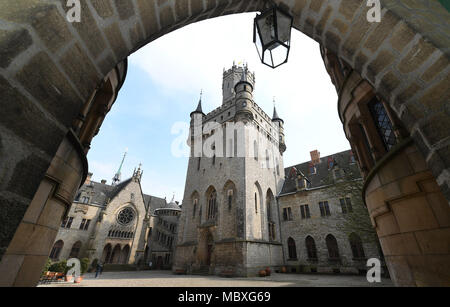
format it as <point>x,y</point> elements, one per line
<point>199,106</point>
<point>116,178</point>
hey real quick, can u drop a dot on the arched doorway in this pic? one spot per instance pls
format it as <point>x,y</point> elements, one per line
<point>106,255</point>
<point>125,254</point>
<point>115,255</point>
<point>52,84</point>
<point>75,251</point>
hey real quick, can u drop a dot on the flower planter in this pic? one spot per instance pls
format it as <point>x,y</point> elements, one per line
<point>262,273</point>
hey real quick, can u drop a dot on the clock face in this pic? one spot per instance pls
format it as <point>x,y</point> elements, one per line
<point>125,216</point>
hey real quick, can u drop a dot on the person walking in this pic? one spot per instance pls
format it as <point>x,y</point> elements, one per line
<point>99,269</point>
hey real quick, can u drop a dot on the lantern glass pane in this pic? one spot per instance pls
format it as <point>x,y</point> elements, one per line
<point>279,55</point>
<point>258,44</point>
<point>284,23</point>
<point>266,24</point>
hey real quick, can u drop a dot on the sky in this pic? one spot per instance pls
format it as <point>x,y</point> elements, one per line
<point>151,114</point>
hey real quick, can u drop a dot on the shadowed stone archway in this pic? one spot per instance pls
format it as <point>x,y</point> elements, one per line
<point>50,68</point>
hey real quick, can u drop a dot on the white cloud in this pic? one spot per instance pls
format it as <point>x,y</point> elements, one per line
<point>193,58</point>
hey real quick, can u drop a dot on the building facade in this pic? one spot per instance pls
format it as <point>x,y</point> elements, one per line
<point>117,224</point>
<point>324,224</point>
<point>239,203</point>
<point>229,223</point>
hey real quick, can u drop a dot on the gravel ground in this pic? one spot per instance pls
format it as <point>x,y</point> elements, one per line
<point>167,279</point>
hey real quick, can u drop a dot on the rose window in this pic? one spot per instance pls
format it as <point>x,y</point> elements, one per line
<point>125,216</point>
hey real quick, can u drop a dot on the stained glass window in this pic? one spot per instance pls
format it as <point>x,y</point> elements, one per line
<point>125,216</point>
<point>383,123</point>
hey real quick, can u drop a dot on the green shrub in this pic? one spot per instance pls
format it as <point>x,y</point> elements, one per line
<point>84,263</point>
<point>60,267</point>
<point>47,266</point>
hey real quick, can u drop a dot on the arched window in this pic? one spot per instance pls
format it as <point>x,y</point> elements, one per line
<point>332,246</point>
<point>194,209</point>
<point>212,205</point>
<point>74,252</point>
<point>56,250</point>
<point>256,203</point>
<point>311,247</point>
<point>292,249</point>
<point>356,246</point>
<point>230,199</point>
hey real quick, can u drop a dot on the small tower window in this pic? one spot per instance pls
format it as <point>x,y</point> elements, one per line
<point>256,203</point>
<point>230,199</point>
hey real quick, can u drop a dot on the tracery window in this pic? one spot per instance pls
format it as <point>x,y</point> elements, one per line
<point>230,199</point>
<point>125,216</point>
<point>311,247</point>
<point>212,205</point>
<point>356,246</point>
<point>292,251</point>
<point>332,246</point>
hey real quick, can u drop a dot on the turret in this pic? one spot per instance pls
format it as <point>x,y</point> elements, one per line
<point>244,97</point>
<point>233,76</point>
<point>280,123</point>
<point>196,126</point>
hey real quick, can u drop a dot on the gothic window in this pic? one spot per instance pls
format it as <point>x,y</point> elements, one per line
<point>212,205</point>
<point>75,250</point>
<point>86,226</point>
<point>332,246</point>
<point>383,123</point>
<point>56,250</point>
<point>230,199</point>
<point>292,251</point>
<point>346,205</point>
<point>356,246</point>
<point>83,222</point>
<point>125,216</point>
<point>256,203</point>
<point>195,207</point>
<point>311,247</point>
<point>304,211</point>
<point>324,208</point>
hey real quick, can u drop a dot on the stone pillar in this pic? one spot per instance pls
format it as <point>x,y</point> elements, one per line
<point>33,240</point>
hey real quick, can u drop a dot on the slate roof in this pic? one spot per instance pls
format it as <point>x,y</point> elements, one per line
<point>100,193</point>
<point>323,175</point>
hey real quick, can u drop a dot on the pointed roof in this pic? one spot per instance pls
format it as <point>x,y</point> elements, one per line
<point>199,106</point>
<point>275,115</point>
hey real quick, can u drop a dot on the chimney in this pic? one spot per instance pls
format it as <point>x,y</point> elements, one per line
<point>315,157</point>
<point>103,181</point>
<point>88,179</point>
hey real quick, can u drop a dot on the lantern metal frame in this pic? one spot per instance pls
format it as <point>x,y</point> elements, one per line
<point>275,10</point>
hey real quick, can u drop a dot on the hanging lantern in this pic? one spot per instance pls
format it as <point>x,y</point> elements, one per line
<point>272,36</point>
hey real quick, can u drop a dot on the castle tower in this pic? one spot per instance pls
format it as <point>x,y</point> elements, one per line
<point>229,221</point>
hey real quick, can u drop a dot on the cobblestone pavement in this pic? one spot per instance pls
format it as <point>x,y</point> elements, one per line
<point>167,279</point>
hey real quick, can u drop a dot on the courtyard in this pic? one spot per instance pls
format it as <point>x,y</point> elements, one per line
<point>168,279</point>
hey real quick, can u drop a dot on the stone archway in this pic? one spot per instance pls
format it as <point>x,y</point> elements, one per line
<point>55,66</point>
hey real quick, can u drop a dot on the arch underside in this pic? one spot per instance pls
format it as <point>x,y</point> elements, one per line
<point>55,66</point>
